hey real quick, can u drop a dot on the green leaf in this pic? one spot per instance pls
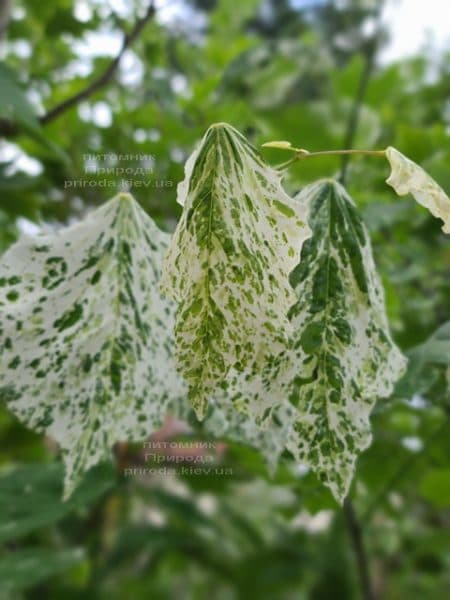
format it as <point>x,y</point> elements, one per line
<point>15,106</point>
<point>24,568</point>
<point>435,487</point>
<point>8,229</point>
<point>30,496</point>
<point>436,349</point>
<point>343,357</point>
<point>424,363</point>
<point>409,178</point>
<point>228,263</point>
<point>85,334</point>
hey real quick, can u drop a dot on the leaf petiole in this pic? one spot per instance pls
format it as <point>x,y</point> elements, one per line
<point>301,153</point>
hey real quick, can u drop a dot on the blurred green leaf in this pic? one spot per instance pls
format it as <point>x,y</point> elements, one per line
<point>22,569</point>
<point>435,351</point>
<point>15,106</point>
<point>30,496</point>
<point>435,487</point>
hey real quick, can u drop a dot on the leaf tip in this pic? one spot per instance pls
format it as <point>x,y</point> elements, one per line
<point>125,197</point>
<point>280,144</point>
<point>220,125</point>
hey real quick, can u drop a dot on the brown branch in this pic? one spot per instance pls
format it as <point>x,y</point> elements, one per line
<point>7,128</point>
<point>363,84</point>
<point>5,15</point>
<point>359,550</point>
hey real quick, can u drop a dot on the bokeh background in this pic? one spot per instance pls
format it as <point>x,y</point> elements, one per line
<point>75,128</point>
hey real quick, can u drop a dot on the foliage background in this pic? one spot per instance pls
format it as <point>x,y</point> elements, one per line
<point>303,71</point>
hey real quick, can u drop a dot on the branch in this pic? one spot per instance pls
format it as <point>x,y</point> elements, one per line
<point>5,14</point>
<point>8,128</point>
<point>356,537</point>
<point>352,125</point>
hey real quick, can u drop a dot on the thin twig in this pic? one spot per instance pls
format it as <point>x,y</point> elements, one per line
<point>355,113</point>
<point>345,152</point>
<point>359,550</point>
<point>8,128</point>
<point>5,14</point>
<point>302,154</point>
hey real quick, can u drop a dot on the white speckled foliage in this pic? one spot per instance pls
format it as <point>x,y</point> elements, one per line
<point>85,337</point>
<point>238,238</point>
<point>343,357</point>
<point>269,439</point>
<point>409,178</point>
<point>286,333</point>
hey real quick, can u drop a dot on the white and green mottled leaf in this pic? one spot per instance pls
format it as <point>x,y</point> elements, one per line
<point>258,391</point>
<point>343,355</point>
<point>409,178</point>
<point>238,238</point>
<point>270,439</point>
<point>85,337</point>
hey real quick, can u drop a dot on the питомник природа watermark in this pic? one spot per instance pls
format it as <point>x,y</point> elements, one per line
<point>182,458</point>
<point>123,172</point>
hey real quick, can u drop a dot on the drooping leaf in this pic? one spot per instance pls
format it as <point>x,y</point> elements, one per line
<point>409,178</point>
<point>343,357</point>
<point>85,334</point>
<point>228,264</point>
<point>269,438</point>
<point>226,421</point>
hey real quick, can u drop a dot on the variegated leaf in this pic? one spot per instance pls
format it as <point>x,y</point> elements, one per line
<point>409,178</point>
<point>270,440</point>
<point>259,390</point>
<point>85,337</point>
<point>238,238</point>
<point>343,356</point>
